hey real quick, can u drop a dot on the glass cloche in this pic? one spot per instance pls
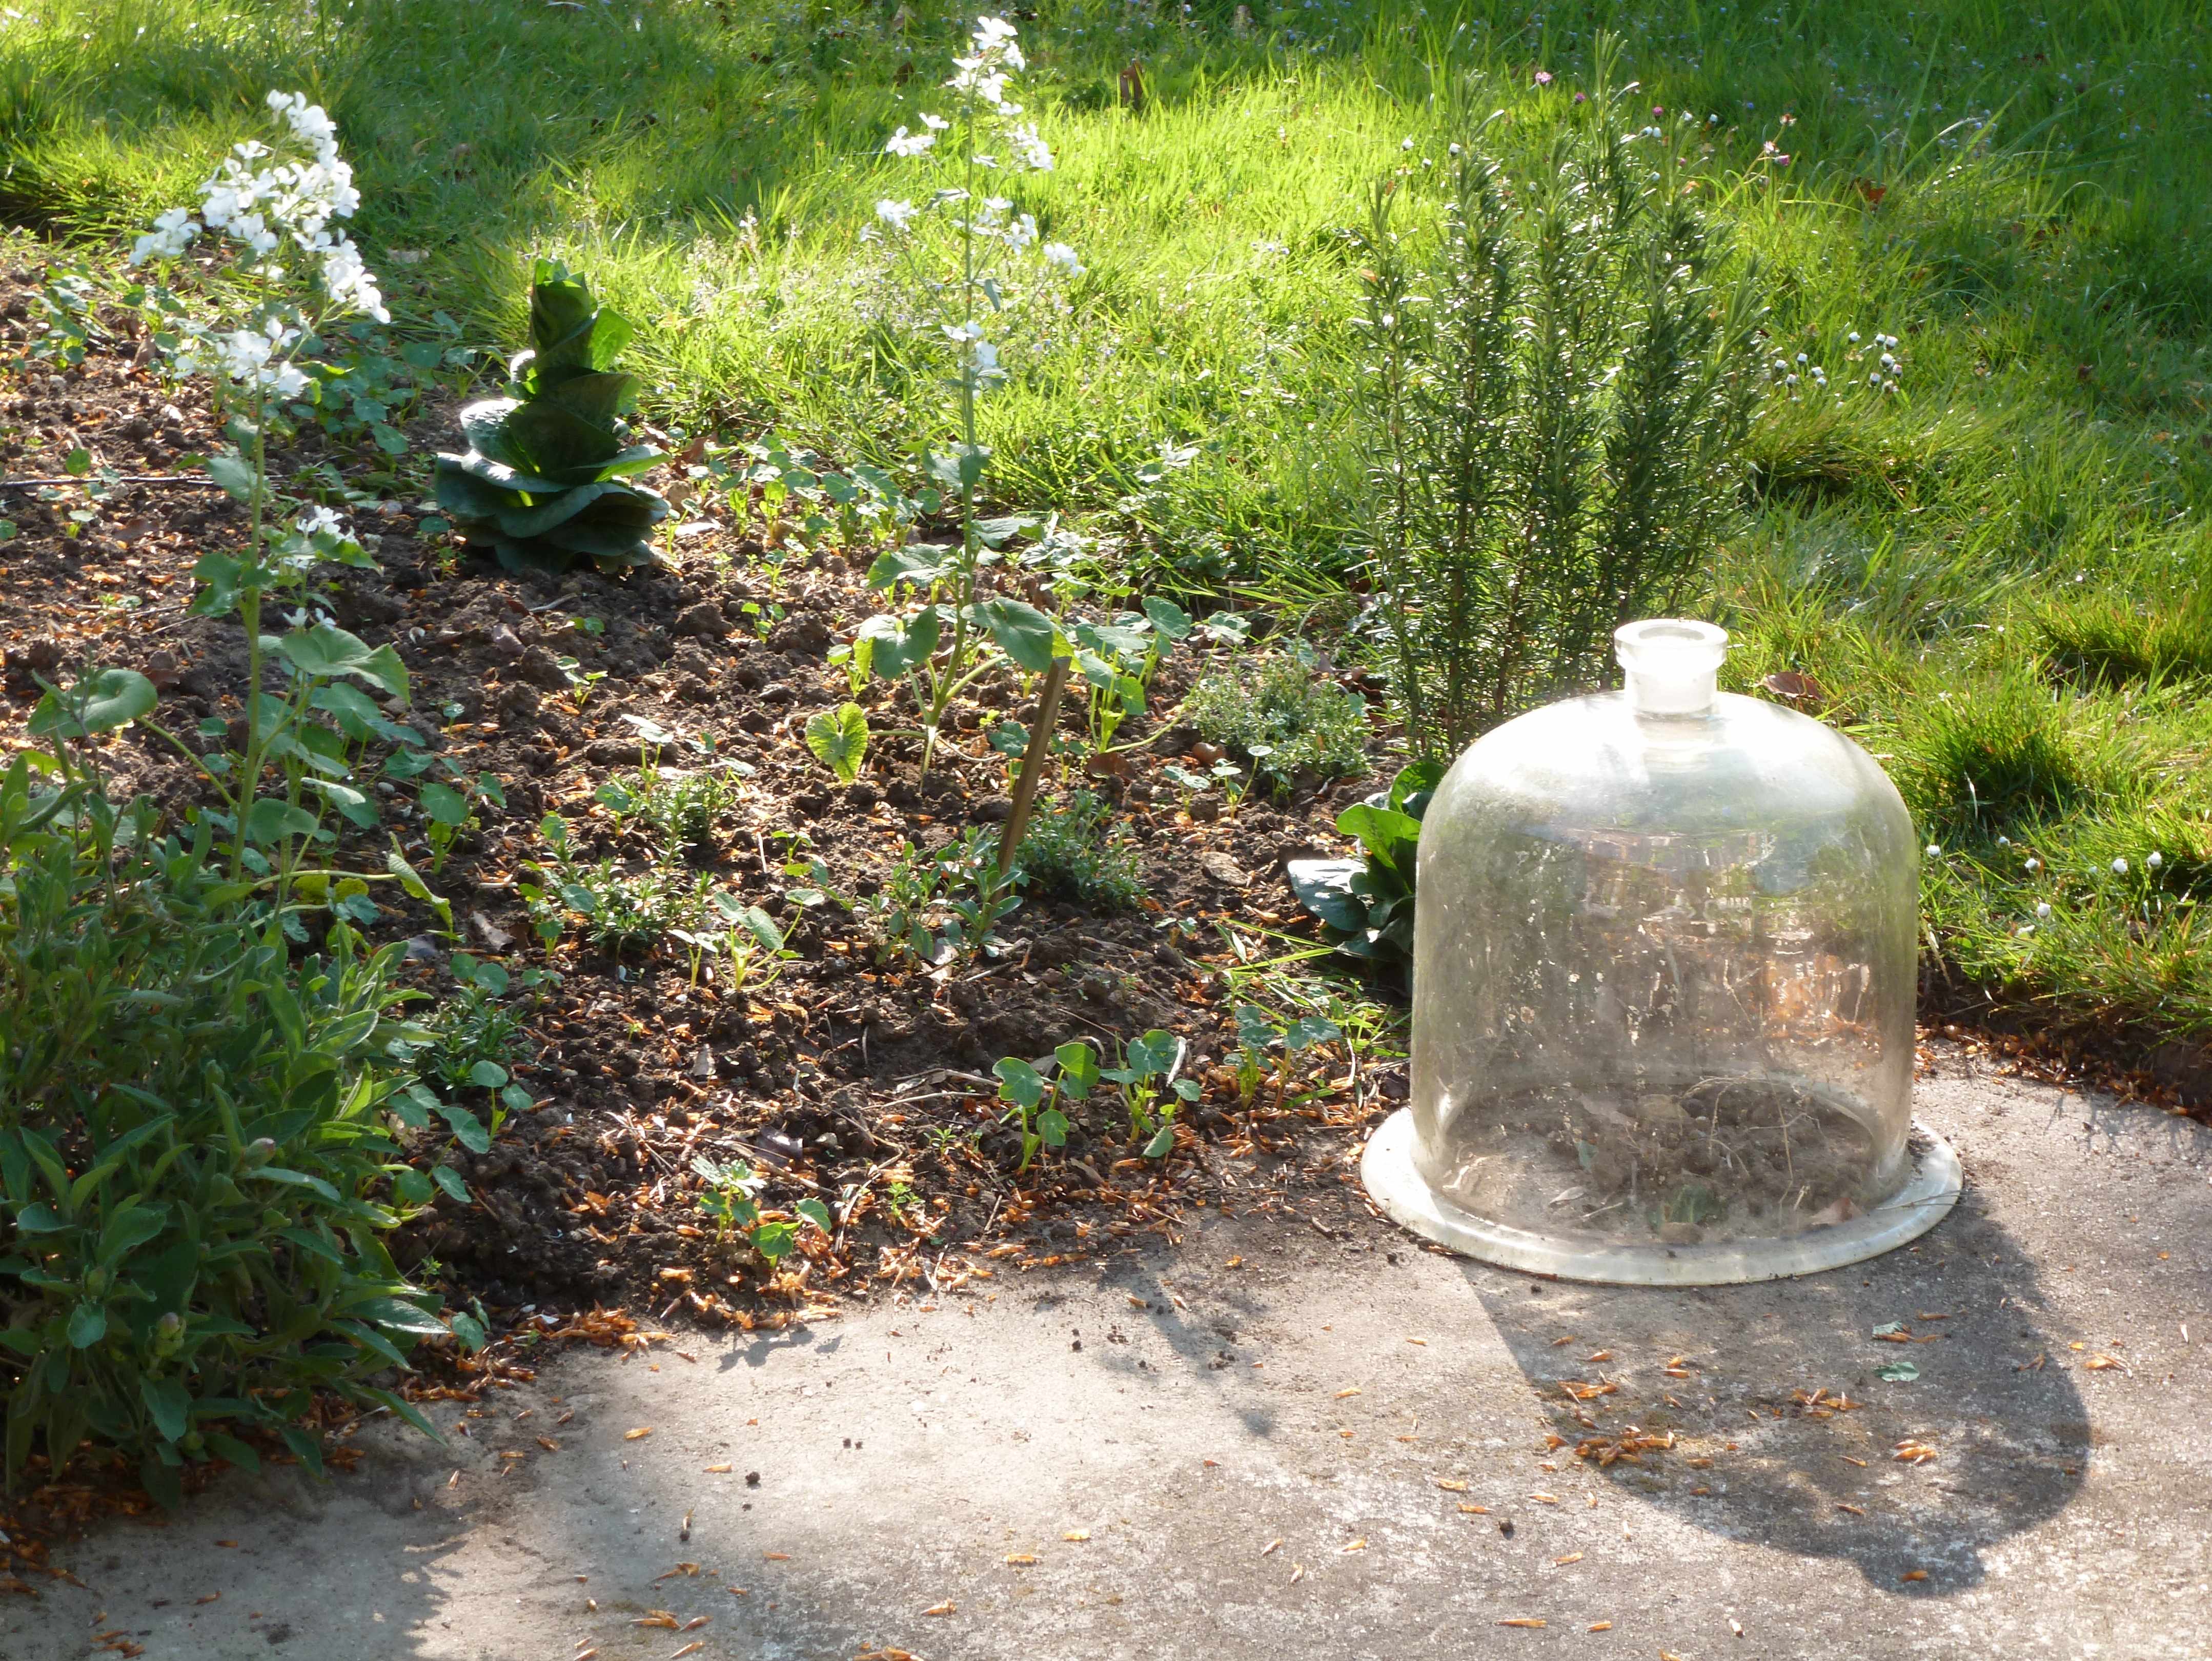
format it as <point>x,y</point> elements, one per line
<point>1664,968</point>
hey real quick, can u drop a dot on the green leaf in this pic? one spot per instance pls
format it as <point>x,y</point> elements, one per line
<point>450,1180</point>
<point>234,474</point>
<point>1010,737</point>
<point>815,1213</point>
<point>1387,835</point>
<point>1018,1082</point>
<point>130,1228</point>
<point>1309,1029</point>
<point>87,1325</point>
<point>170,1405</point>
<point>411,1188</point>
<point>328,650</point>
<point>1898,1373</point>
<point>77,463</point>
<point>162,1480</point>
<point>397,1315</point>
<point>1153,1054</point>
<point>225,1446</point>
<point>445,804</point>
<point>996,532</point>
<point>895,645</point>
<point>921,563</point>
<point>1162,1144</point>
<point>272,820</point>
<point>774,1240</point>
<point>38,1219</point>
<point>1023,633</point>
<point>490,1074</point>
<point>102,701</point>
<point>1078,1068</point>
<point>297,1180</point>
<point>839,740</point>
<point>468,1129</point>
<point>1170,619</point>
<point>1324,888</point>
<point>1052,1127</point>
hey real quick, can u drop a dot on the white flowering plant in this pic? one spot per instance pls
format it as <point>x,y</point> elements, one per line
<point>302,751</point>
<point>962,282</point>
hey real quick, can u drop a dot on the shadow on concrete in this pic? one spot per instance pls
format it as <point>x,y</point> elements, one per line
<point>1993,1399</point>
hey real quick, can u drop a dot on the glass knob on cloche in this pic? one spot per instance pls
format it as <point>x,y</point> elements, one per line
<point>1664,966</point>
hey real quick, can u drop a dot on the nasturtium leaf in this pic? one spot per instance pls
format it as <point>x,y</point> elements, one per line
<point>1897,1372</point>
<point>1018,1082</point>
<point>815,1213</point>
<point>272,818</point>
<point>102,701</point>
<point>773,1240</point>
<point>450,1180</point>
<point>444,805</point>
<point>1170,619</point>
<point>839,740</point>
<point>1078,1068</point>
<point>1023,633</point>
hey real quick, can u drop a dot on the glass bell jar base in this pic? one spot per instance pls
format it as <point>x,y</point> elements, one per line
<point>1664,966</point>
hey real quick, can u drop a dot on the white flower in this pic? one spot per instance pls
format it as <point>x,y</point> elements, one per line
<point>2034,865</point>
<point>1405,144</point>
<point>349,282</point>
<point>2004,842</point>
<point>1854,336</point>
<point>900,144</point>
<point>316,520</point>
<point>1934,852</point>
<point>172,235</point>
<point>895,214</point>
<point>1022,232</point>
<point>2120,867</point>
<point>1059,254</point>
<point>934,123</point>
<point>2153,860</point>
<point>2043,908</point>
<point>1033,152</point>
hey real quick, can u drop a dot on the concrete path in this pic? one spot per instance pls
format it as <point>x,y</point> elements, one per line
<point>1328,1449</point>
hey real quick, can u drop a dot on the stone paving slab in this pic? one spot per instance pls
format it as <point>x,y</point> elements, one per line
<point>1181,1457</point>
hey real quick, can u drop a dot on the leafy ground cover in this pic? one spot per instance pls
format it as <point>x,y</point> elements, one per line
<point>715,916</point>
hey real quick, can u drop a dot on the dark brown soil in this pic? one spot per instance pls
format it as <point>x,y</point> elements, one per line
<point>859,1084</point>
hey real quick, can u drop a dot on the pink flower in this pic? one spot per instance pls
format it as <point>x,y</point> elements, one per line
<point>1543,78</point>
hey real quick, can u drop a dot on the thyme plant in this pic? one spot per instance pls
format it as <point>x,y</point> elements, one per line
<point>1558,387</point>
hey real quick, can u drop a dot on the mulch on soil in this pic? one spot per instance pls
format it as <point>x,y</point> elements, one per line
<point>862,1084</point>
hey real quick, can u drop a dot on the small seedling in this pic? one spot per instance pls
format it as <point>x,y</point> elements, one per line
<point>732,1200</point>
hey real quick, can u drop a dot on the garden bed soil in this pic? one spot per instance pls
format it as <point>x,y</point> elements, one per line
<point>864,1085</point>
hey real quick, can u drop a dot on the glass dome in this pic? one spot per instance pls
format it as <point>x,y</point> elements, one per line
<point>1664,969</point>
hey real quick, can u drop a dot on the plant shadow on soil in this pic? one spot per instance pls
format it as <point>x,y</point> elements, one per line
<point>2010,1432</point>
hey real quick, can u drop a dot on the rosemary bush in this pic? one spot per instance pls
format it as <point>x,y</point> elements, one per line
<point>1557,388</point>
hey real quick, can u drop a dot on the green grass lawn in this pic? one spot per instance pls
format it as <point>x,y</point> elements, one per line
<point>1993,575</point>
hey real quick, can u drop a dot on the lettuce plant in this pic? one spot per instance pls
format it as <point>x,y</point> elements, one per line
<point>545,480</point>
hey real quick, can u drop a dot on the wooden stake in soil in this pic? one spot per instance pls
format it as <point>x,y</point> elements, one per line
<point>1033,759</point>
